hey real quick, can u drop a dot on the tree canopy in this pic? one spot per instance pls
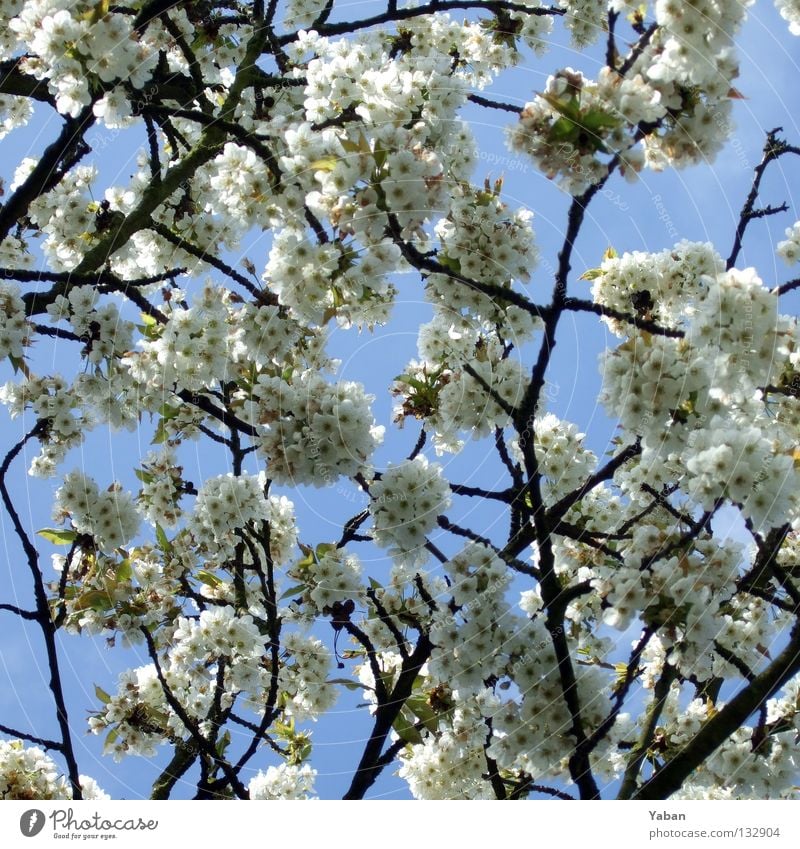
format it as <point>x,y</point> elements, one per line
<point>550,621</point>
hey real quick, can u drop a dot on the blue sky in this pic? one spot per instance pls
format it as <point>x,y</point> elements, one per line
<point>702,203</point>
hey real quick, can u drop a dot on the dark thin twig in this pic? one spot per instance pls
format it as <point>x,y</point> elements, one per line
<point>52,745</point>
<point>638,49</point>
<point>494,104</point>
<point>152,143</point>
<point>420,444</point>
<point>642,745</point>
<point>513,468</point>
<point>729,657</point>
<point>43,610</point>
<point>621,691</point>
<point>682,541</point>
<point>351,526</point>
<point>604,473</point>
<point>611,46</point>
<point>789,286</point>
<point>251,726</point>
<point>395,15</point>
<point>57,333</point>
<point>774,148</point>
<point>387,711</point>
<point>580,305</point>
<point>506,496</point>
<point>210,259</point>
<point>426,263</point>
<point>385,617</point>
<point>372,655</point>
<point>467,533</point>
<point>529,786</point>
<point>489,390</point>
<point>191,726</point>
<point>18,611</point>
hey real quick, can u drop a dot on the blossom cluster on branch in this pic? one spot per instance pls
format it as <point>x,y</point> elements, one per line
<point>601,639</point>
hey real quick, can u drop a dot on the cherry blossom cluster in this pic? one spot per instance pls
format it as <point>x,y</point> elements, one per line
<point>226,504</point>
<point>315,431</point>
<point>790,11</point>
<point>564,460</point>
<point>447,388</point>
<point>483,240</point>
<point>331,575</point>
<point>193,348</point>
<point>107,334</point>
<point>27,772</point>
<point>789,248</point>
<point>674,98</point>
<point>14,112</point>
<point>162,487</point>
<point>404,505</point>
<point>14,327</point>
<point>654,285</point>
<point>296,162</point>
<point>109,517</point>
<point>286,781</point>
<point>65,215</point>
<point>73,47</point>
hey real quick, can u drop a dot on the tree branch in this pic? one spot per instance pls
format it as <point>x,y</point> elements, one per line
<point>720,726</point>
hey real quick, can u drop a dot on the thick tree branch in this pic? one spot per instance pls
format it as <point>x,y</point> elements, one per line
<point>371,763</point>
<point>720,726</point>
<point>56,160</point>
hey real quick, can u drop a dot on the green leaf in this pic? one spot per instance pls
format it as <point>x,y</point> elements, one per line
<point>379,156</point>
<point>449,263</point>
<point>308,560</point>
<point>570,109</point>
<point>111,738</point>
<point>360,146</point>
<point>163,543</point>
<point>223,743</point>
<point>563,130</point>
<point>161,434</point>
<point>327,163</point>
<point>144,477</point>
<point>297,589</point>
<point>58,536</point>
<point>404,726</point>
<point>124,571</point>
<point>19,364</point>
<point>412,382</point>
<point>101,694</point>
<point>96,13</point>
<point>597,120</point>
<point>346,682</point>
<point>94,600</point>
<point>167,411</point>
<point>208,579</point>
<point>418,705</point>
<point>323,548</point>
